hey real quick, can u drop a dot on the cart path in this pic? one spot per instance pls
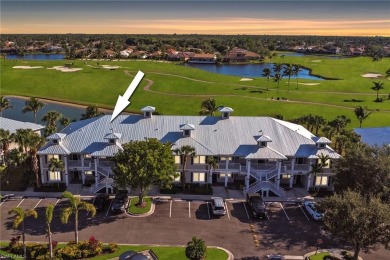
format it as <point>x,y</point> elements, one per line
<point>150,83</point>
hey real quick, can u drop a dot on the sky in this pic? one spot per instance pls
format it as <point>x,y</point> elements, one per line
<point>277,17</point>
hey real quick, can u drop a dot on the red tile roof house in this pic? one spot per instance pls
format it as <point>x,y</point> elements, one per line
<point>241,55</point>
<point>203,58</point>
<point>109,54</point>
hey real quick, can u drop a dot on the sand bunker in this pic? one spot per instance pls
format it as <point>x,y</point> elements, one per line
<point>309,84</point>
<point>245,79</point>
<point>110,67</point>
<point>316,61</point>
<point>64,69</point>
<point>371,75</point>
<point>27,67</point>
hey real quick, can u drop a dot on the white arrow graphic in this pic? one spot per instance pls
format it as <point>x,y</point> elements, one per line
<point>123,101</point>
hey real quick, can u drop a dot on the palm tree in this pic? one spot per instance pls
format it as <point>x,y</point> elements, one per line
<point>329,131</point>
<point>51,118</point>
<point>318,167</point>
<point>277,78</point>
<point>361,114</point>
<point>34,143</point>
<point>277,68</point>
<point>33,105</point>
<point>211,165</point>
<point>4,104</point>
<point>56,165</point>
<point>20,216</point>
<point>318,122</point>
<point>184,152</point>
<point>377,86</point>
<point>6,138</point>
<point>296,69</point>
<point>288,71</point>
<point>22,137</point>
<point>49,218</point>
<point>267,74</point>
<point>64,121</point>
<point>75,204</point>
<point>208,107</point>
<point>91,111</point>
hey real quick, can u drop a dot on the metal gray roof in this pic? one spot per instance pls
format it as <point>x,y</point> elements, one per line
<point>13,125</point>
<point>113,136</point>
<point>322,140</point>
<point>56,136</point>
<point>226,109</point>
<point>51,148</point>
<point>187,127</point>
<point>148,109</point>
<point>256,152</point>
<point>103,149</point>
<point>264,138</point>
<point>314,152</point>
<point>212,134</point>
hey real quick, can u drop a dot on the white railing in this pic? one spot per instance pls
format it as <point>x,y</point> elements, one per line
<point>266,185</point>
<point>297,167</point>
<point>263,166</point>
<point>264,175</point>
<point>104,171</point>
<point>103,183</point>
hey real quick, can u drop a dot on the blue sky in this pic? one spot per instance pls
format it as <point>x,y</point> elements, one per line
<point>203,17</point>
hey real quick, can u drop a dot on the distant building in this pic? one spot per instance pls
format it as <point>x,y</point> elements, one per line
<point>203,58</point>
<point>241,55</point>
<point>374,136</point>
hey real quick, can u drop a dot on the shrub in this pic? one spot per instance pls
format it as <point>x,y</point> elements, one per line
<point>112,247</point>
<point>196,249</point>
<point>14,241</point>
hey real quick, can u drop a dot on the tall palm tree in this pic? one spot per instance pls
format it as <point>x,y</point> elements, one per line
<point>34,143</point>
<point>288,71</point>
<point>75,204</point>
<point>318,122</point>
<point>49,218</point>
<point>6,138</point>
<point>20,217</point>
<point>267,74</point>
<point>33,105</point>
<point>296,69</point>
<point>329,131</point>
<point>277,67</point>
<point>361,114</point>
<point>4,104</point>
<point>185,152</point>
<point>22,137</point>
<point>51,119</point>
<point>208,107</point>
<point>56,165</point>
<point>377,86</point>
<point>91,111</point>
<point>277,78</point>
<point>211,165</point>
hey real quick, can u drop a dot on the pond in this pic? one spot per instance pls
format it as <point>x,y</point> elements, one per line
<point>247,70</point>
<point>35,57</point>
<point>15,113</point>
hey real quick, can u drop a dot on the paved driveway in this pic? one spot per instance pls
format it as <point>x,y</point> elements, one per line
<point>288,230</point>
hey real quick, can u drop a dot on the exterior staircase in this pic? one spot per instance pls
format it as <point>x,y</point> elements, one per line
<point>106,180</point>
<point>263,181</point>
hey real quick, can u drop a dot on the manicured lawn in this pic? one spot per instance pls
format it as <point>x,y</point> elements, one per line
<point>162,252</point>
<point>319,256</point>
<point>133,209</point>
<point>180,90</point>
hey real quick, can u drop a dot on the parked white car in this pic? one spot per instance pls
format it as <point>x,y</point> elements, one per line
<point>310,207</point>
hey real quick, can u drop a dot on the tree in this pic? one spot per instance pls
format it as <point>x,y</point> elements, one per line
<point>4,104</point>
<point>6,138</point>
<point>20,217</point>
<point>22,137</point>
<point>75,204</point>
<point>34,143</point>
<point>142,163</point>
<point>91,111</point>
<point>64,121</point>
<point>365,223</point>
<point>49,218</point>
<point>296,70</point>
<point>318,122</point>
<point>347,138</point>
<point>196,249</point>
<point>361,114</point>
<point>377,86</point>
<point>56,165</point>
<point>185,152</point>
<point>365,170</point>
<point>267,74</point>
<point>208,107</point>
<point>211,165</point>
<point>318,167</point>
<point>277,78</point>
<point>51,118</point>
<point>15,157</point>
<point>288,71</point>
<point>33,105</point>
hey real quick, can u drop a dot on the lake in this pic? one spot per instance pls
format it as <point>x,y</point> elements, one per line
<point>15,113</point>
<point>35,57</point>
<point>247,70</point>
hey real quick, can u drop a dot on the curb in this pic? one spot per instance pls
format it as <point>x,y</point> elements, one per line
<point>330,251</point>
<point>143,215</point>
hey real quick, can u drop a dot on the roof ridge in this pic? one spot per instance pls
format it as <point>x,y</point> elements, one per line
<point>277,121</point>
<point>203,145</point>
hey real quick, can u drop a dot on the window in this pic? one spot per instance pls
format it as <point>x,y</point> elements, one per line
<point>112,141</point>
<point>177,179</point>
<point>321,181</point>
<point>199,159</point>
<point>222,175</point>
<point>147,114</point>
<point>55,141</point>
<point>54,176</point>
<point>51,156</point>
<point>178,159</point>
<point>286,176</point>
<point>322,145</point>
<point>186,132</point>
<point>225,115</point>
<point>87,156</point>
<point>198,177</point>
<point>75,156</point>
<point>88,173</point>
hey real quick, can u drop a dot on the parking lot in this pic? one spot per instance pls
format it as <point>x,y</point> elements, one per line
<point>288,230</point>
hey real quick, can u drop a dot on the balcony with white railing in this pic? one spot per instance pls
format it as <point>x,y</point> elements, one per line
<point>232,167</point>
<point>303,168</point>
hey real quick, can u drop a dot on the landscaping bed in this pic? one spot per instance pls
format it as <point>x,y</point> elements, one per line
<point>14,178</point>
<point>135,209</point>
<point>190,188</point>
<point>51,187</point>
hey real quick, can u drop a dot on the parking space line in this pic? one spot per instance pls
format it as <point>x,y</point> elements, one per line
<point>20,202</point>
<point>170,209</point>
<point>303,211</point>
<point>2,203</point>
<point>227,210</point>
<point>208,209</point>
<point>189,209</point>
<point>57,202</point>
<point>108,210</point>
<point>284,211</point>
<point>38,203</point>
<point>246,211</point>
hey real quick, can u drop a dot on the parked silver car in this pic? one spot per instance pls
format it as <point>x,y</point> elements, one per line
<point>310,207</point>
<point>218,206</point>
